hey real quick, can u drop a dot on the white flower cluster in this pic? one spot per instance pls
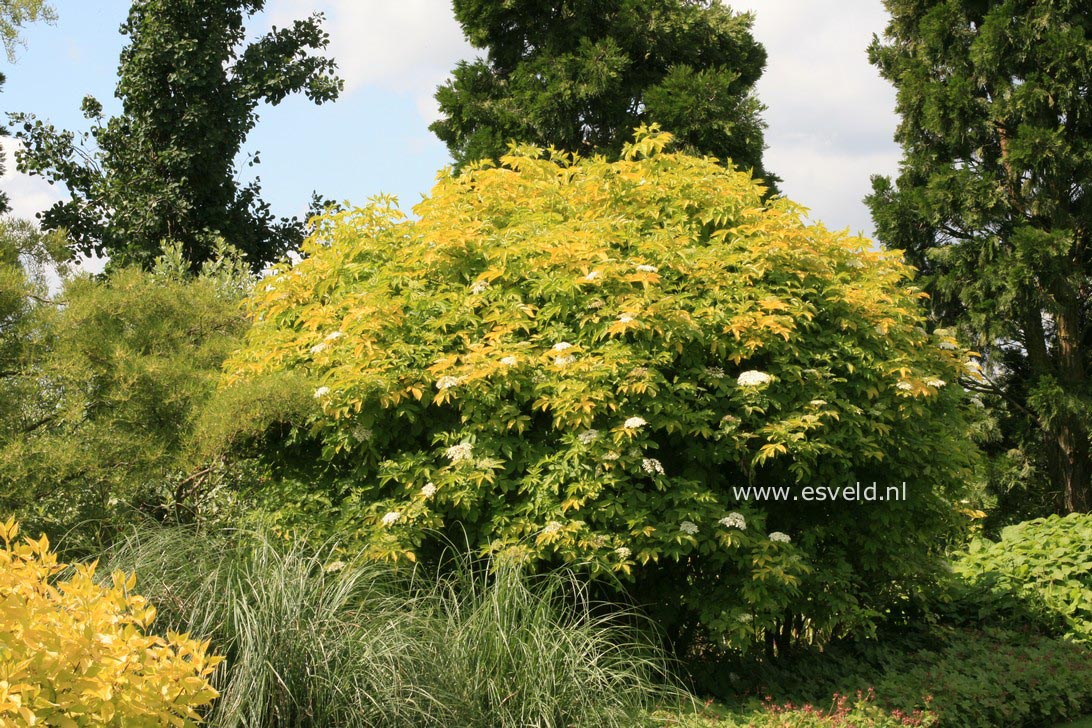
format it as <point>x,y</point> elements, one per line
<point>479,287</point>
<point>552,527</point>
<point>460,453</point>
<point>623,552</point>
<point>562,346</point>
<point>321,392</point>
<point>592,275</point>
<point>429,490</point>
<point>509,361</point>
<point>688,527</point>
<point>362,434</point>
<point>937,383</point>
<point>611,456</point>
<point>734,520</point>
<point>714,372</point>
<point>625,319</point>
<point>647,269</point>
<point>905,386</point>
<point>391,517</point>
<point>325,343</point>
<point>562,361</point>
<point>652,466</point>
<point>588,436</point>
<point>780,537</point>
<point>947,346</point>
<point>634,423</point>
<point>447,383</point>
<point>753,378</point>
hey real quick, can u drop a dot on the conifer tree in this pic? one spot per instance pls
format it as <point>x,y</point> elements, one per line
<point>992,203</point>
<point>581,76</point>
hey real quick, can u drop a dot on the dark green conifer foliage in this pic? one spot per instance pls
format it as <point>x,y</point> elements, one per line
<point>992,203</point>
<point>580,76</point>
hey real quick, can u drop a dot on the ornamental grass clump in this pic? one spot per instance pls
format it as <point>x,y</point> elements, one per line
<point>77,652</point>
<point>575,361</point>
<point>314,637</point>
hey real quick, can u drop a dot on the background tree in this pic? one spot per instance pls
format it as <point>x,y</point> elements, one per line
<point>992,203</point>
<point>164,169</point>
<point>580,76</point>
<point>14,14</point>
<point>100,395</point>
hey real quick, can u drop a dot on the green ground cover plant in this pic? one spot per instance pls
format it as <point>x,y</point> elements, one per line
<point>1045,562</point>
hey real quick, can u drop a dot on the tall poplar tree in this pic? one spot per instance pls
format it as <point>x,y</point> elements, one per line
<point>164,169</point>
<point>581,75</point>
<point>992,204</point>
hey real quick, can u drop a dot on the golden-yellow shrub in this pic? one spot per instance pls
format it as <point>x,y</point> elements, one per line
<point>74,652</point>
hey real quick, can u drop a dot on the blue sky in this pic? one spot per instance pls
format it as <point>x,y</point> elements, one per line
<point>830,116</point>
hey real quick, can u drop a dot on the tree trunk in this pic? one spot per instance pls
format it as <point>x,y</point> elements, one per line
<point>1071,431</point>
<point>1070,462</point>
<point>1065,435</point>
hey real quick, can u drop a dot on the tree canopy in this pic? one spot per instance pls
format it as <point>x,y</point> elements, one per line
<point>580,76</point>
<point>992,203</point>
<point>165,167</point>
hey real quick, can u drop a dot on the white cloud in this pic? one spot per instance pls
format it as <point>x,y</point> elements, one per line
<point>29,195</point>
<point>830,115</point>
<point>406,46</point>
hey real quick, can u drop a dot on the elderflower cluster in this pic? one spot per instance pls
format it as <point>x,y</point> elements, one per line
<point>447,383</point>
<point>588,436</point>
<point>779,537</point>
<point>652,466</point>
<point>734,520</point>
<point>937,383</point>
<point>429,490</point>
<point>905,386</point>
<point>562,346</point>
<point>460,453</point>
<point>552,527</point>
<point>688,527</point>
<point>623,552</point>
<point>479,287</point>
<point>634,423</point>
<point>647,269</point>
<point>391,517</point>
<point>753,378</point>
<point>321,392</point>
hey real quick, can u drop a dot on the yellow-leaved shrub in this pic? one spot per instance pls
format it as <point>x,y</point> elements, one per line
<point>74,652</point>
